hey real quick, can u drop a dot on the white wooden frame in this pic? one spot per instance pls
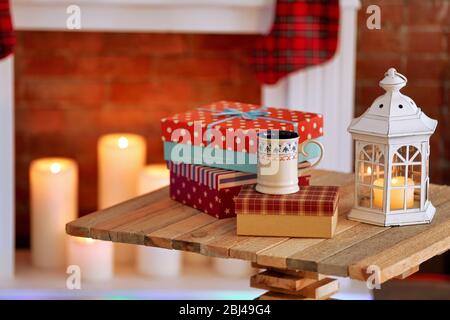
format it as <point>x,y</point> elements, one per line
<point>190,16</point>
<point>6,168</point>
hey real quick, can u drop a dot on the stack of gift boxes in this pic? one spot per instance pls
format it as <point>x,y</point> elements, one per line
<point>212,156</point>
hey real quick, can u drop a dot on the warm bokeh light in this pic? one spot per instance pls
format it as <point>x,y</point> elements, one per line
<point>122,142</point>
<point>55,168</point>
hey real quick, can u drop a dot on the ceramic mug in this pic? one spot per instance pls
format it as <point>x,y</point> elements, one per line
<point>278,161</point>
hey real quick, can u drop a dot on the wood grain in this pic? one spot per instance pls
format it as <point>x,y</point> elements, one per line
<point>81,227</point>
<point>282,281</point>
<point>408,273</point>
<point>418,244</point>
<point>359,256</point>
<point>318,290</point>
<point>163,237</point>
<point>295,273</point>
<point>281,296</point>
<point>278,256</point>
<point>249,249</point>
<point>156,220</point>
<point>310,258</point>
<point>193,241</point>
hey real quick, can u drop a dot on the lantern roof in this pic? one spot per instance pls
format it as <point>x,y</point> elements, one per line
<point>393,114</point>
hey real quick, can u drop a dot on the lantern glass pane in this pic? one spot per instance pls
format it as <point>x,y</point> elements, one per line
<point>377,197</point>
<point>401,155</point>
<point>397,197</point>
<point>365,172</point>
<point>398,175</point>
<point>379,154</point>
<point>416,203</point>
<point>415,174</point>
<point>378,172</point>
<point>414,154</point>
<point>366,153</point>
<point>364,196</point>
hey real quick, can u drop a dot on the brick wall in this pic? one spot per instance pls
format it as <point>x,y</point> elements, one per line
<point>73,87</point>
<point>414,38</point>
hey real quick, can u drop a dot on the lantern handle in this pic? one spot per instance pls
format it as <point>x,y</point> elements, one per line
<point>393,72</point>
<point>402,76</point>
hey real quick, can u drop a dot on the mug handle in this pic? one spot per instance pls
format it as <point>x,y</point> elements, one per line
<point>304,153</point>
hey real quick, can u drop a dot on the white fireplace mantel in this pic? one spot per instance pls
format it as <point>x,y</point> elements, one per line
<point>206,16</point>
<point>328,88</point>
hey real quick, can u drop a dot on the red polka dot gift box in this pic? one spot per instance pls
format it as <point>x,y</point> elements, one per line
<point>233,127</point>
<point>209,189</point>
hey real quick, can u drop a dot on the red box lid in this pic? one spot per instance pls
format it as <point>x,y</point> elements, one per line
<point>190,127</point>
<point>309,201</point>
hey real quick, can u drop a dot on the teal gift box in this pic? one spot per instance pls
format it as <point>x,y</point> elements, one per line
<point>225,159</point>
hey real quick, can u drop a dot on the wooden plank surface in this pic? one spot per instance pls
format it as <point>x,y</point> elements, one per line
<point>156,220</point>
<point>408,273</point>
<point>359,256</point>
<point>283,281</point>
<point>317,290</point>
<point>164,237</point>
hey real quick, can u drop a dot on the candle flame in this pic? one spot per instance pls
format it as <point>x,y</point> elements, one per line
<point>55,168</point>
<point>122,142</point>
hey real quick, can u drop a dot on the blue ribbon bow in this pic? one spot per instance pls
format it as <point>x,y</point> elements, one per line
<point>231,113</point>
<point>247,115</point>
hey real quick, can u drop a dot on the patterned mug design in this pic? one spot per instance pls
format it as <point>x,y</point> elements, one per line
<point>278,161</point>
<point>283,146</point>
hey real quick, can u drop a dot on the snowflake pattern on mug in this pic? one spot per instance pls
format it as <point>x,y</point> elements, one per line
<point>283,150</point>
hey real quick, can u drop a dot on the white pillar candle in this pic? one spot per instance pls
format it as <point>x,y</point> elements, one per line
<point>232,268</point>
<point>120,160</point>
<point>94,257</point>
<point>121,157</point>
<point>153,177</point>
<point>156,261</point>
<point>53,191</point>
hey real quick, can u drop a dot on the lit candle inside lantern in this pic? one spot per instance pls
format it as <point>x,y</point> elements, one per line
<point>156,261</point>
<point>397,195</point>
<point>95,258</point>
<point>120,160</point>
<point>53,191</point>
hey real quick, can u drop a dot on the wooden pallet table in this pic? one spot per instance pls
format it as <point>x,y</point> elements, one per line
<point>295,267</point>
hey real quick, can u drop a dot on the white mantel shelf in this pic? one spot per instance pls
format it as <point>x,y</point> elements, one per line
<point>193,16</point>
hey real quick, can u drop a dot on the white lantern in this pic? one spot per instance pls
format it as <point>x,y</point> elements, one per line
<point>391,159</point>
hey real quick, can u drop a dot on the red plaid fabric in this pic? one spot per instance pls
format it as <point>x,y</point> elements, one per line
<point>7,39</point>
<point>304,33</point>
<point>309,201</point>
